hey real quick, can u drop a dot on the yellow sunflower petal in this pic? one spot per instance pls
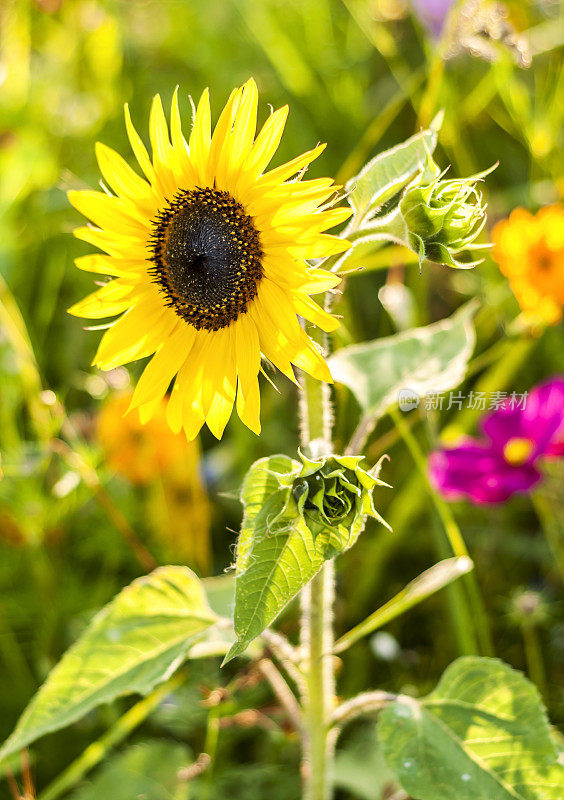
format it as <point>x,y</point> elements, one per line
<point>278,305</point>
<point>175,403</point>
<point>163,366</point>
<point>306,356</point>
<point>111,299</point>
<point>182,166</point>
<point>322,246</point>
<point>214,357</point>
<point>221,135</point>
<point>193,425</point>
<point>286,171</point>
<point>200,139</point>
<point>110,213</point>
<point>106,265</point>
<point>224,385</point>
<point>272,343</point>
<point>309,309</point>
<point>298,346</point>
<point>139,149</point>
<point>290,274</point>
<point>247,353</point>
<point>158,133</point>
<point>320,280</point>
<point>244,127</point>
<point>138,333</point>
<point>320,220</point>
<point>162,149</point>
<point>147,411</point>
<point>118,174</point>
<point>266,143</point>
<point>118,246</point>
<point>190,381</point>
<point>283,210</point>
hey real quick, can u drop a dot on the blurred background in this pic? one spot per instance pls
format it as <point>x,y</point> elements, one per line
<point>89,500</point>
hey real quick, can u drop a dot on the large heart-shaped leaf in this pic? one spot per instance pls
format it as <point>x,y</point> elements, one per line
<point>422,360</point>
<point>482,734</point>
<point>390,171</point>
<point>133,644</point>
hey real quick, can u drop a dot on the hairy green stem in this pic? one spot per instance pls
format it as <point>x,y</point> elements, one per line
<point>317,619</point>
<point>364,703</point>
<point>534,658</point>
<point>316,633</point>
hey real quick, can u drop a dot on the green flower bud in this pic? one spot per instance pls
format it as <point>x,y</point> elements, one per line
<point>333,497</point>
<point>443,218</point>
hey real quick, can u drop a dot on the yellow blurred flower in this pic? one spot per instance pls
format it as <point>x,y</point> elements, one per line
<point>529,249</point>
<point>151,454</point>
<point>140,453</point>
<point>179,513</point>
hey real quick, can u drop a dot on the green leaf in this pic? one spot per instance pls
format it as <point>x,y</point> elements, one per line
<point>482,734</point>
<point>390,171</point>
<point>220,592</point>
<point>372,251</point>
<point>360,769</point>
<point>432,580</point>
<point>429,359</point>
<point>132,645</point>
<point>148,770</point>
<point>271,566</point>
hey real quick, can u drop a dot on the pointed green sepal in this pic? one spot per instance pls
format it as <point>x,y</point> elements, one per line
<point>444,217</point>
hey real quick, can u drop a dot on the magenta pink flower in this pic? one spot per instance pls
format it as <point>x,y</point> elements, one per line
<point>432,13</point>
<point>505,461</point>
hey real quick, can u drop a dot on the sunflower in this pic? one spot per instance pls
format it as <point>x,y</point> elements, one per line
<point>208,258</point>
<point>529,249</point>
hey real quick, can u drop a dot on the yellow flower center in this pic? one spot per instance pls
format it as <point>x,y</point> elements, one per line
<point>517,451</point>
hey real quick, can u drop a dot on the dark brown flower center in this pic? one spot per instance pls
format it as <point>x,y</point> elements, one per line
<point>207,257</point>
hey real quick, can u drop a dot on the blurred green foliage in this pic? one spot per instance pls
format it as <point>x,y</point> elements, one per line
<point>361,75</point>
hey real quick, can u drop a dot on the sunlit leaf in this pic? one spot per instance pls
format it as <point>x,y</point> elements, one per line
<point>432,580</point>
<point>135,643</point>
<point>390,171</point>
<point>220,591</point>
<point>482,733</point>
<point>271,567</point>
<point>423,360</point>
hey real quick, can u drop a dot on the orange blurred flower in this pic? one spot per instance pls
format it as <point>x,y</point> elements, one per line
<point>178,507</point>
<point>529,249</point>
<point>140,453</point>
